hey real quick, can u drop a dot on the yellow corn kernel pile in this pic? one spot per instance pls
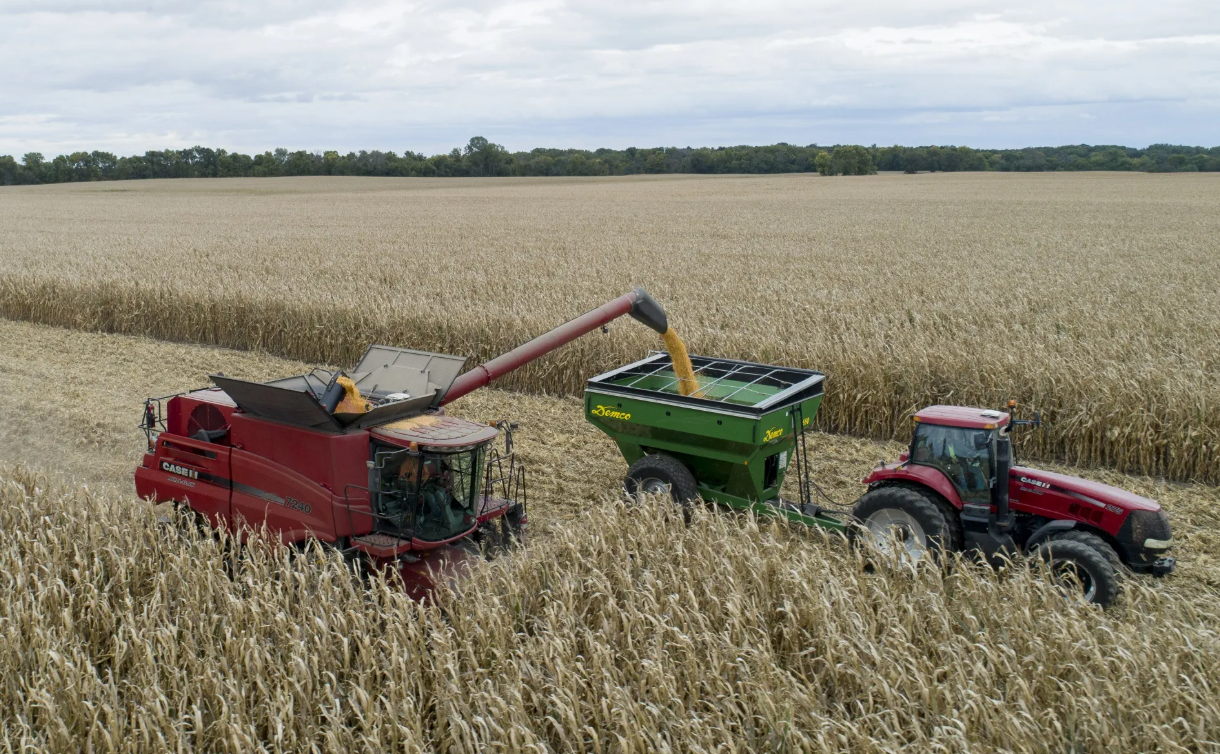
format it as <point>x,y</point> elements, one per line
<point>353,402</point>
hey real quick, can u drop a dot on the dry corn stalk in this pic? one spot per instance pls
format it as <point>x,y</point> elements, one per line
<point>625,631</point>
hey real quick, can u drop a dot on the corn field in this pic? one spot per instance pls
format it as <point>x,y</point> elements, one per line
<point>626,631</point>
<point>1090,297</point>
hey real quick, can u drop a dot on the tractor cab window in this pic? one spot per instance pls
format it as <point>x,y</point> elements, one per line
<point>428,496</point>
<point>964,455</point>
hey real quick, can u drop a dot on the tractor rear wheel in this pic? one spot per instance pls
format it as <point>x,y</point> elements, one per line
<point>661,474</point>
<point>903,521</point>
<point>1076,565</point>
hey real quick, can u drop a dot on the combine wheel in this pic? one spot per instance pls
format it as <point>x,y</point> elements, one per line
<point>1076,565</point>
<point>659,474</point>
<point>503,534</point>
<point>903,521</point>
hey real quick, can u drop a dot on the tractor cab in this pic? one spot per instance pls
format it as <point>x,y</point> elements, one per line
<point>962,443</point>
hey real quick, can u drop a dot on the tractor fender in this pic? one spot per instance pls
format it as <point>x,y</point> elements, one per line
<point>924,476</point>
<point>1048,530</point>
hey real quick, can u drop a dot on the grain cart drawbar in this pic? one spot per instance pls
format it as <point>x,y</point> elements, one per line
<point>366,461</point>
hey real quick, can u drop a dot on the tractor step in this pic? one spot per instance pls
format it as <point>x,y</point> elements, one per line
<point>381,545</point>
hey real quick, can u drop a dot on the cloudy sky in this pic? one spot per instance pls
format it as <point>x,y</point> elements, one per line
<point>250,75</point>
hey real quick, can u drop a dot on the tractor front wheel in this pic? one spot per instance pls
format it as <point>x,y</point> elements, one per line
<point>902,521</point>
<point>659,474</point>
<point>1075,565</point>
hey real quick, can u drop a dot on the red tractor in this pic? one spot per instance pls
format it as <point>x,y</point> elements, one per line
<point>958,489</point>
<point>365,461</point>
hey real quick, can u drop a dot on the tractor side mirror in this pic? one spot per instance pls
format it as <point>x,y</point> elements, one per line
<point>1034,422</point>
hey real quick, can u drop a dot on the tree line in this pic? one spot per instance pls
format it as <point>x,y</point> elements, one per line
<point>481,157</point>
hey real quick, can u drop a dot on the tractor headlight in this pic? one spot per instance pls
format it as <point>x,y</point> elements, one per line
<point>1145,536</point>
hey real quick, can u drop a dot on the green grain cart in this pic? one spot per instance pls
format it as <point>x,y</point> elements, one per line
<point>734,441</point>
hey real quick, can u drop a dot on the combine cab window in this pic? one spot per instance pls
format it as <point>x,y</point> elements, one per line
<point>964,455</point>
<point>429,496</point>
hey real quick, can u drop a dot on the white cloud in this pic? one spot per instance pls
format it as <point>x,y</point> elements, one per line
<point>252,75</point>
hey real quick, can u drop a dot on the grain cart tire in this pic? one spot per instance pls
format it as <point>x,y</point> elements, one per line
<point>656,473</point>
<point>891,515</point>
<point>1085,566</point>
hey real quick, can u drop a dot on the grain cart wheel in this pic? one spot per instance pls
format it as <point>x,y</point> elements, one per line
<point>902,521</point>
<point>658,474</point>
<point>1076,565</point>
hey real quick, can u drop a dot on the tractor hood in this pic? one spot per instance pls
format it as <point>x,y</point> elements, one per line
<point>1093,492</point>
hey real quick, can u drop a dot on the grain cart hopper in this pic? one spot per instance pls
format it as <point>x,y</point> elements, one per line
<point>366,461</point>
<point>733,441</point>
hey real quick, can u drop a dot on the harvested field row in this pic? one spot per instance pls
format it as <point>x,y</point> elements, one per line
<point>88,434</point>
<point>1092,297</point>
<point>69,403</point>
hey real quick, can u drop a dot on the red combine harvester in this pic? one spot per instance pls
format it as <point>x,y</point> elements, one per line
<point>366,461</point>
<point>957,488</point>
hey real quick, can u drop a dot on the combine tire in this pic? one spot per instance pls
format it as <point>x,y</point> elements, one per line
<point>1076,565</point>
<point>658,474</point>
<point>904,521</point>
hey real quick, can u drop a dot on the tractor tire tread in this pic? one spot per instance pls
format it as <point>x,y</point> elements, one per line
<point>952,516</point>
<point>1097,543</point>
<point>1104,575</point>
<point>924,510</point>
